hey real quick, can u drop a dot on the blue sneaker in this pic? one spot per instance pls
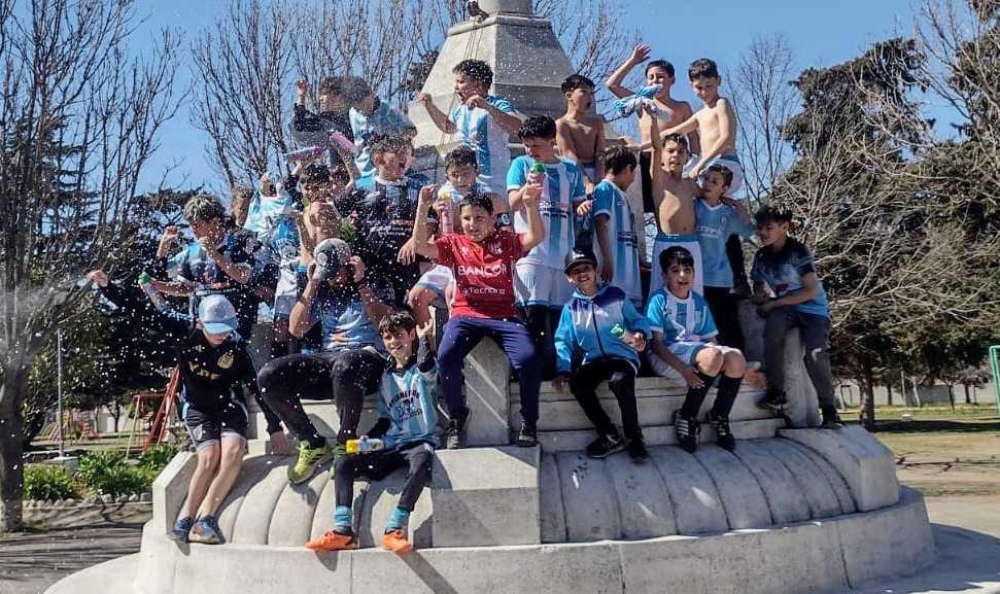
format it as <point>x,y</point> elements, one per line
<point>206,531</point>
<point>181,529</point>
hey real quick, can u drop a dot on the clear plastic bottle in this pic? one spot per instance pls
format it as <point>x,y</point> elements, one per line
<point>146,284</point>
<point>446,216</point>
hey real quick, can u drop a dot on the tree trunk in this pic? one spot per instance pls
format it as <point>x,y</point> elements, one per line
<point>868,410</point>
<point>11,449</point>
<point>888,391</point>
<point>968,397</point>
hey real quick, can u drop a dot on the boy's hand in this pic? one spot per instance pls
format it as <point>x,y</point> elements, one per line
<point>424,99</point>
<point>559,382</point>
<point>302,87</point>
<point>607,272</point>
<point>640,54</point>
<point>279,444</point>
<point>169,235</point>
<point>476,101</point>
<point>428,194</point>
<point>209,246</point>
<point>98,277</point>
<point>585,208</point>
<point>765,308</point>
<point>691,377</point>
<point>695,172</point>
<point>530,195</point>
<point>426,329</point>
<point>359,268</point>
<point>638,341</point>
<point>408,253</point>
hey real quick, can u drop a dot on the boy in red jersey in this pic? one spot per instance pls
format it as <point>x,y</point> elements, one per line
<point>482,258</point>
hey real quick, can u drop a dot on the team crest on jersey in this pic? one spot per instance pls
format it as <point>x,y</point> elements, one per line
<point>496,249</point>
<point>225,361</point>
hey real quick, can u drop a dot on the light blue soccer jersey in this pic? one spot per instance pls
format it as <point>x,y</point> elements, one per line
<point>562,189</point>
<point>385,120</point>
<point>713,226</point>
<point>680,320</point>
<point>344,321</point>
<point>483,134</point>
<point>407,399</point>
<point>276,231</point>
<point>783,271</point>
<point>610,201</point>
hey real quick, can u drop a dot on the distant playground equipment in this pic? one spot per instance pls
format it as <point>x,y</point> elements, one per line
<point>165,404</point>
<point>995,367</point>
<point>75,426</point>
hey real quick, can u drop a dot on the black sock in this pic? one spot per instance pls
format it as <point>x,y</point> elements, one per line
<point>695,396</point>
<point>725,396</point>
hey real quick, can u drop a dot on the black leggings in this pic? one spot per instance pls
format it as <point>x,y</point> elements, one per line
<point>378,465</point>
<point>621,381</point>
<point>342,376</point>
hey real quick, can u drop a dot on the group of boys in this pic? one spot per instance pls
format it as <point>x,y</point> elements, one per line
<point>353,252</point>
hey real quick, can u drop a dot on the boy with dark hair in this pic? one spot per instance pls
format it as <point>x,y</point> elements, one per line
<point>337,295</point>
<point>313,129</point>
<point>407,426</point>
<point>716,125</point>
<point>580,132</point>
<point>600,321</point>
<point>386,209</point>
<point>786,267</point>
<point>668,110</point>
<point>213,361</point>
<point>615,228</point>
<point>682,349</point>
<point>482,258</point>
<point>717,219</point>
<point>539,280</point>
<point>218,262</point>
<point>371,117</point>
<point>485,122</point>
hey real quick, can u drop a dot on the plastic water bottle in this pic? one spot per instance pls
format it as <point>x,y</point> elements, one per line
<point>540,168</point>
<point>146,284</point>
<point>364,445</point>
<point>446,216</point>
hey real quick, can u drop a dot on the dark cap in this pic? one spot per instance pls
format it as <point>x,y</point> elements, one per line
<point>580,255</point>
<point>330,255</point>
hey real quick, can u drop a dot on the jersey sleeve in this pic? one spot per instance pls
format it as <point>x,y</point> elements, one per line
<point>635,321</point>
<point>517,175</point>
<point>603,196</point>
<point>579,191</point>
<point>446,251</point>
<point>804,263</point>
<point>503,105</point>
<point>654,313</point>
<point>454,113</point>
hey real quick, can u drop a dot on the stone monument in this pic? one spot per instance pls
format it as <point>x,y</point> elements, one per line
<point>791,510</point>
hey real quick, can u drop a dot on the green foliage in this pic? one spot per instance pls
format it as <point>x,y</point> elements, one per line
<point>47,482</point>
<point>94,465</point>
<point>157,457</point>
<point>121,480</point>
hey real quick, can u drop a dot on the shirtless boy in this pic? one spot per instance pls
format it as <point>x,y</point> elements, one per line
<point>673,197</point>
<point>580,132</point>
<point>670,112</point>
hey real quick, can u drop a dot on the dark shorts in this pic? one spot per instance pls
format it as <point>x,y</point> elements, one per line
<point>206,428</point>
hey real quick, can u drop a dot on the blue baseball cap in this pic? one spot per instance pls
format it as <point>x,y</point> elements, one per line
<point>217,314</point>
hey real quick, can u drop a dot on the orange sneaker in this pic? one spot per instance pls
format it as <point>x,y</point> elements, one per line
<point>333,541</point>
<point>395,541</point>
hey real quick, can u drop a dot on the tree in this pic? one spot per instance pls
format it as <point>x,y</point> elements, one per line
<point>79,118</point>
<point>764,99</point>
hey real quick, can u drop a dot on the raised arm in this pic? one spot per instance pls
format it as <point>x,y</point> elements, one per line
<point>614,82</point>
<point>727,136</point>
<point>422,242</point>
<point>439,117</point>
<point>536,230</point>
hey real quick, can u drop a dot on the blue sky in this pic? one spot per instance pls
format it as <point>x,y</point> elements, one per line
<point>819,33</point>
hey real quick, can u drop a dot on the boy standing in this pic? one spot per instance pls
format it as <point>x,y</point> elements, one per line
<point>407,426</point>
<point>310,129</point>
<point>485,122</point>
<point>681,349</point>
<point>617,248</point>
<point>786,266</point>
<point>213,361</point>
<point>386,205</point>
<point>601,321</point>
<point>580,132</point>
<point>370,117</point>
<point>482,258</point>
<point>669,111</point>
<point>539,280</point>
<point>717,219</point>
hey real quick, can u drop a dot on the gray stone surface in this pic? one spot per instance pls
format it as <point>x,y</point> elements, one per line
<point>818,491</point>
<point>803,405</point>
<point>867,466</point>
<point>487,394</point>
<point>258,508</point>
<point>292,515</point>
<point>695,500</point>
<point>589,498</point>
<point>170,490</point>
<point>552,515</point>
<point>741,495</point>
<point>785,499</point>
<point>486,497</point>
<point>643,501</point>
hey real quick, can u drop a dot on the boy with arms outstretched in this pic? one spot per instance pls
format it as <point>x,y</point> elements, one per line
<point>786,267</point>
<point>682,349</point>
<point>601,321</point>
<point>213,360</point>
<point>485,122</point>
<point>407,426</point>
<point>580,132</point>
<point>482,258</point>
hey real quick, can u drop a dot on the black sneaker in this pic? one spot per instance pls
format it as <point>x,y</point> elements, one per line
<point>637,450</point>
<point>831,420</point>
<point>687,429</point>
<point>604,446</point>
<point>774,401</point>
<point>724,435</point>
<point>453,433</point>
<point>527,437</point>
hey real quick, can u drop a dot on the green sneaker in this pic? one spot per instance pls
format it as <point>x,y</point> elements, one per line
<point>309,459</point>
